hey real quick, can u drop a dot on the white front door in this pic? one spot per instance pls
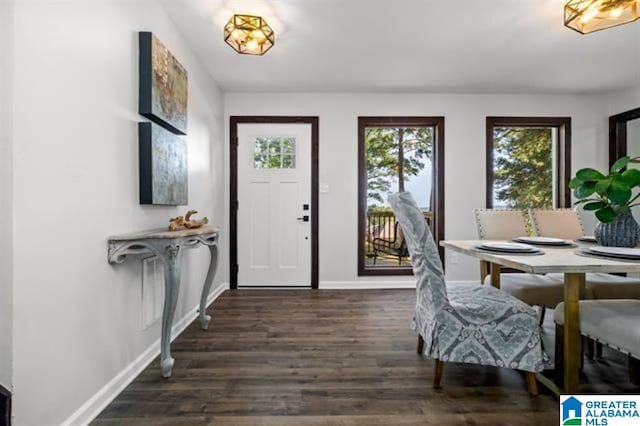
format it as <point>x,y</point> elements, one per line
<point>274,204</point>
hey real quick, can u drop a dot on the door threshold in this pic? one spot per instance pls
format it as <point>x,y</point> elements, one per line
<point>247,287</point>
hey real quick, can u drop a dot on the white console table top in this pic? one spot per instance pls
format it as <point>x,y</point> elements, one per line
<point>164,233</point>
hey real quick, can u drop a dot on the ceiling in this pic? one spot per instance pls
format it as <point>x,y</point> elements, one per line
<point>463,46</point>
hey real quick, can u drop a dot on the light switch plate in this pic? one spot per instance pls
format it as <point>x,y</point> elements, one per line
<point>324,187</point>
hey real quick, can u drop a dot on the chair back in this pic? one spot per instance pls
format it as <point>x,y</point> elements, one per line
<point>558,223</point>
<point>497,224</point>
<point>425,259</point>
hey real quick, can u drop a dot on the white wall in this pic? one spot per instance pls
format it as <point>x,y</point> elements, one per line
<point>6,209</point>
<point>464,155</point>
<point>621,101</point>
<point>78,319</point>
<point>633,137</point>
<point>624,100</point>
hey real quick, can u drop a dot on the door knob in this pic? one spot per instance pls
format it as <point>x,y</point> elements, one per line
<point>304,218</point>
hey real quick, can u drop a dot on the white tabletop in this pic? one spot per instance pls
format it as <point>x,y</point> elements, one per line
<point>553,259</point>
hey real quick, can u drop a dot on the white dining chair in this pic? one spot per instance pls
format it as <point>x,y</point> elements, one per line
<point>499,224</point>
<point>567,224</point>
<point>558,223</point>
<point>544,291</point>
<point>613,323</point>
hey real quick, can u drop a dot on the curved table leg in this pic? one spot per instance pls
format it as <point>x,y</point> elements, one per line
<point>171,262</point>
<point>211,273</point>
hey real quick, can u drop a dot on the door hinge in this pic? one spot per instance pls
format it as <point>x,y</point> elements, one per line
<point>237,268</point>
<point>236,141</point>
<point>237,204</point>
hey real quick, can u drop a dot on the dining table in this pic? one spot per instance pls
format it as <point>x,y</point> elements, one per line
<point>568,260</point>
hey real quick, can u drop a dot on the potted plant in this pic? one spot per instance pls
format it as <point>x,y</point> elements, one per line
<point>611,197</point>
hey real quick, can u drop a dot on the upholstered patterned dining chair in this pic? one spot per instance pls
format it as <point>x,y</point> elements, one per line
<point>470,324</point>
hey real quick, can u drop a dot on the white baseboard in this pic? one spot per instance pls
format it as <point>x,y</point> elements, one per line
<point>376,285</point>
<point>98,402</point>
<point>366,285</point>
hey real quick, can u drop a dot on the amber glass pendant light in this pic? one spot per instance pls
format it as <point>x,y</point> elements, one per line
<point>249,35</point>
<point>587,16</point>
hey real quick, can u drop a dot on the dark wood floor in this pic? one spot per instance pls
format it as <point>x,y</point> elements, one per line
<point>329,357</point>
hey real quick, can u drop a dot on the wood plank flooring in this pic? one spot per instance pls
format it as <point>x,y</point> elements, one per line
<point>301,357</point>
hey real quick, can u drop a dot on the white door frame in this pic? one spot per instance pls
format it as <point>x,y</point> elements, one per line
<point>234,121</point>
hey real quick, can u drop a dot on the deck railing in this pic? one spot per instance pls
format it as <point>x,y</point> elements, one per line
<point>384,237</point>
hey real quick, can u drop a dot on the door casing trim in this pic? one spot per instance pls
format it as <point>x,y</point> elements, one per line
<point>234,121</point>
<point>618,133</point>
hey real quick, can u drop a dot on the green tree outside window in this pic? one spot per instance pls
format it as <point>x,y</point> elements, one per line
<point>523,167</point>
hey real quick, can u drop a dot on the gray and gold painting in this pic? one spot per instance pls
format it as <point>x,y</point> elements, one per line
<point>163,85</point>
<point>163,166</point>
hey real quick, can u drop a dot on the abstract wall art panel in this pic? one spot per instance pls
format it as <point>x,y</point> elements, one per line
<point>164,174</point>
<point>163,85</point>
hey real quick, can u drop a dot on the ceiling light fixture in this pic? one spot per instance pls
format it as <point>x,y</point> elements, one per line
<point>249,35</point>
<point>587,16</point>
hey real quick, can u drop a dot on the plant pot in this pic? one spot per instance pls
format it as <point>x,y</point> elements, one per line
<point>624,231</point>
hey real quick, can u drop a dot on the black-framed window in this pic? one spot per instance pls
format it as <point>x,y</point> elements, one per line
<point>397,154</point>
<point>624,135</point>
<point>528,162</point>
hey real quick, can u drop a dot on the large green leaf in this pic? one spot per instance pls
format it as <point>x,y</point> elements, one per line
<point>595,205</point>
<point>619,192</point>
<point>588,174</point>
<point>585,190</point>
<point>575,182</point>
<point>603,185</point>
<point>631,177</point>
<point>606,215</point>
<point>620,164</point>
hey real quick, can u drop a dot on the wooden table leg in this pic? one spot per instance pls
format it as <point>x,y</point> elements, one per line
<point>484,270</point>
<point>573,288</point>
<point>495,275</point>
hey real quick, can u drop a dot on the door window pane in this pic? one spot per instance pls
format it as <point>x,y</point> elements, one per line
<point>288,161</point>
<point>274,153</point>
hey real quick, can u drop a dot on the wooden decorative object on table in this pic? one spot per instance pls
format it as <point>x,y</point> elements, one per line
<point>184,222</point>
